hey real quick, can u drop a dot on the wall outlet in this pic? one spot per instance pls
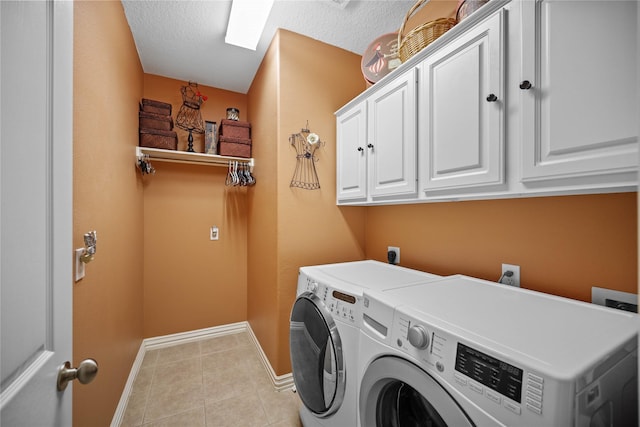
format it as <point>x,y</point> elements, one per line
<point>390,257</point>
<point>514,280</point>
<point>214,233</point>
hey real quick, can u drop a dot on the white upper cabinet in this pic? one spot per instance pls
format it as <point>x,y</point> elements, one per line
<point>392,138</point>
<point>461,111</point>
<point>523,98</point>
<point>351,154</point>
<point>579,91</point>
<point>377,144</point>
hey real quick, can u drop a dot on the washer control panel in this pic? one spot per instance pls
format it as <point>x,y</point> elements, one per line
<point>500,387</point>
<point>491,372</point>
<point>341,305</point>
<point>423,342</point>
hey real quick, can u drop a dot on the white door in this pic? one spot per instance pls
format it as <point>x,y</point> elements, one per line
<point>391,138</point>
<point>352,156</point>
<point>462,110</point>
<point>36,113</point>
<point>579,103</point>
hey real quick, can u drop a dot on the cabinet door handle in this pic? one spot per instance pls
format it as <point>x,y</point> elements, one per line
<point>360,149</point>
<point>370,145</point>
<point>525,85</point>
<point>492,98</point>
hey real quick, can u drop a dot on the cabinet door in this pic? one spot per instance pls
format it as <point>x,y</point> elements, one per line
<point>351,162</point>
<point>580,113</point>
<point>391,139</point>
<point>461,109</point>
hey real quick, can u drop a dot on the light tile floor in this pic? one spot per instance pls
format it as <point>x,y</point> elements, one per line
<point>214,382</point>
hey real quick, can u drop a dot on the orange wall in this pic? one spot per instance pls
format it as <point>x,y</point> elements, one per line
<point>191,282</point>
<point>563,245</point>
<point>312,228</point>
<point>262,256</point>
<point>107,315</point>
<point>292,227</point>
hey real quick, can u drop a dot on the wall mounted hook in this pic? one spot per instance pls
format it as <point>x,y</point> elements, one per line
<point>90,246</point>
<point>86,254</point>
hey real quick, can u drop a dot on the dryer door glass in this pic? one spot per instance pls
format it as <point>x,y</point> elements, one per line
<point>316,356</point>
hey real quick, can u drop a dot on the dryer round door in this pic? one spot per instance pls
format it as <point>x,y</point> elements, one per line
<point>316,355</point>
<point>396,393</point>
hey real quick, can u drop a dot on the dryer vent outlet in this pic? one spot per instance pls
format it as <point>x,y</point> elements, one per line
<point>393,255</point>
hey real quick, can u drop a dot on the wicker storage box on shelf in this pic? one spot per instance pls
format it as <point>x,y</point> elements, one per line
<point>156,138</point>
<point>155,121</point>
<point>235,129</point>
<point>156,125</point>
<point>236,147</point>
<point>421,36</point>
<point>156,107</point>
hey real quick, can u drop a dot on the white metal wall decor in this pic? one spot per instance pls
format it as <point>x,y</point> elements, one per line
<point>306,143</point>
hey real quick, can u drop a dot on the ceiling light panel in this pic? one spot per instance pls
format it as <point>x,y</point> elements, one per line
<point>246,22</point>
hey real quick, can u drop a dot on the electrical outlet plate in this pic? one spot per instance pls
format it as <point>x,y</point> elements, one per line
<point>513,280</point>
<point>214,233</point>
<point>397,251</point>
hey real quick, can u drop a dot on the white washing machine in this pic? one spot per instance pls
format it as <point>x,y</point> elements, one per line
<point>466,352</point>
<point>325,333</point>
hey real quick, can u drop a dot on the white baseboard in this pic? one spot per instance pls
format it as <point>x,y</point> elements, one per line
<point>128,387</point>
<point>197,335</point>
<point>282,382</point>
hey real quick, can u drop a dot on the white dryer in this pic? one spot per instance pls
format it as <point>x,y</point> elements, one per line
<point>466,352</point>
<point>325,333</point>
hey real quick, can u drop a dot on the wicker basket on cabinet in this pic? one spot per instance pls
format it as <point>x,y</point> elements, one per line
<point>421,36</point>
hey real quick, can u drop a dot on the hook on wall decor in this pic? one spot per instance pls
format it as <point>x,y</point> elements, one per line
<point>85,255</point>
<point>306,143</point>
<point>90,246</point>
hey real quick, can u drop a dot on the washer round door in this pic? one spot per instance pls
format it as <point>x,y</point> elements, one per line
<point>316,356</point>
<point>396,393</point>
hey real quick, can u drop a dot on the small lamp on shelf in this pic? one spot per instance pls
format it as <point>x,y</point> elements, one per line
<point>189,117</point>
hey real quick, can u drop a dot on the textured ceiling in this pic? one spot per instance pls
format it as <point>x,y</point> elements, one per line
<point>185,39</point>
